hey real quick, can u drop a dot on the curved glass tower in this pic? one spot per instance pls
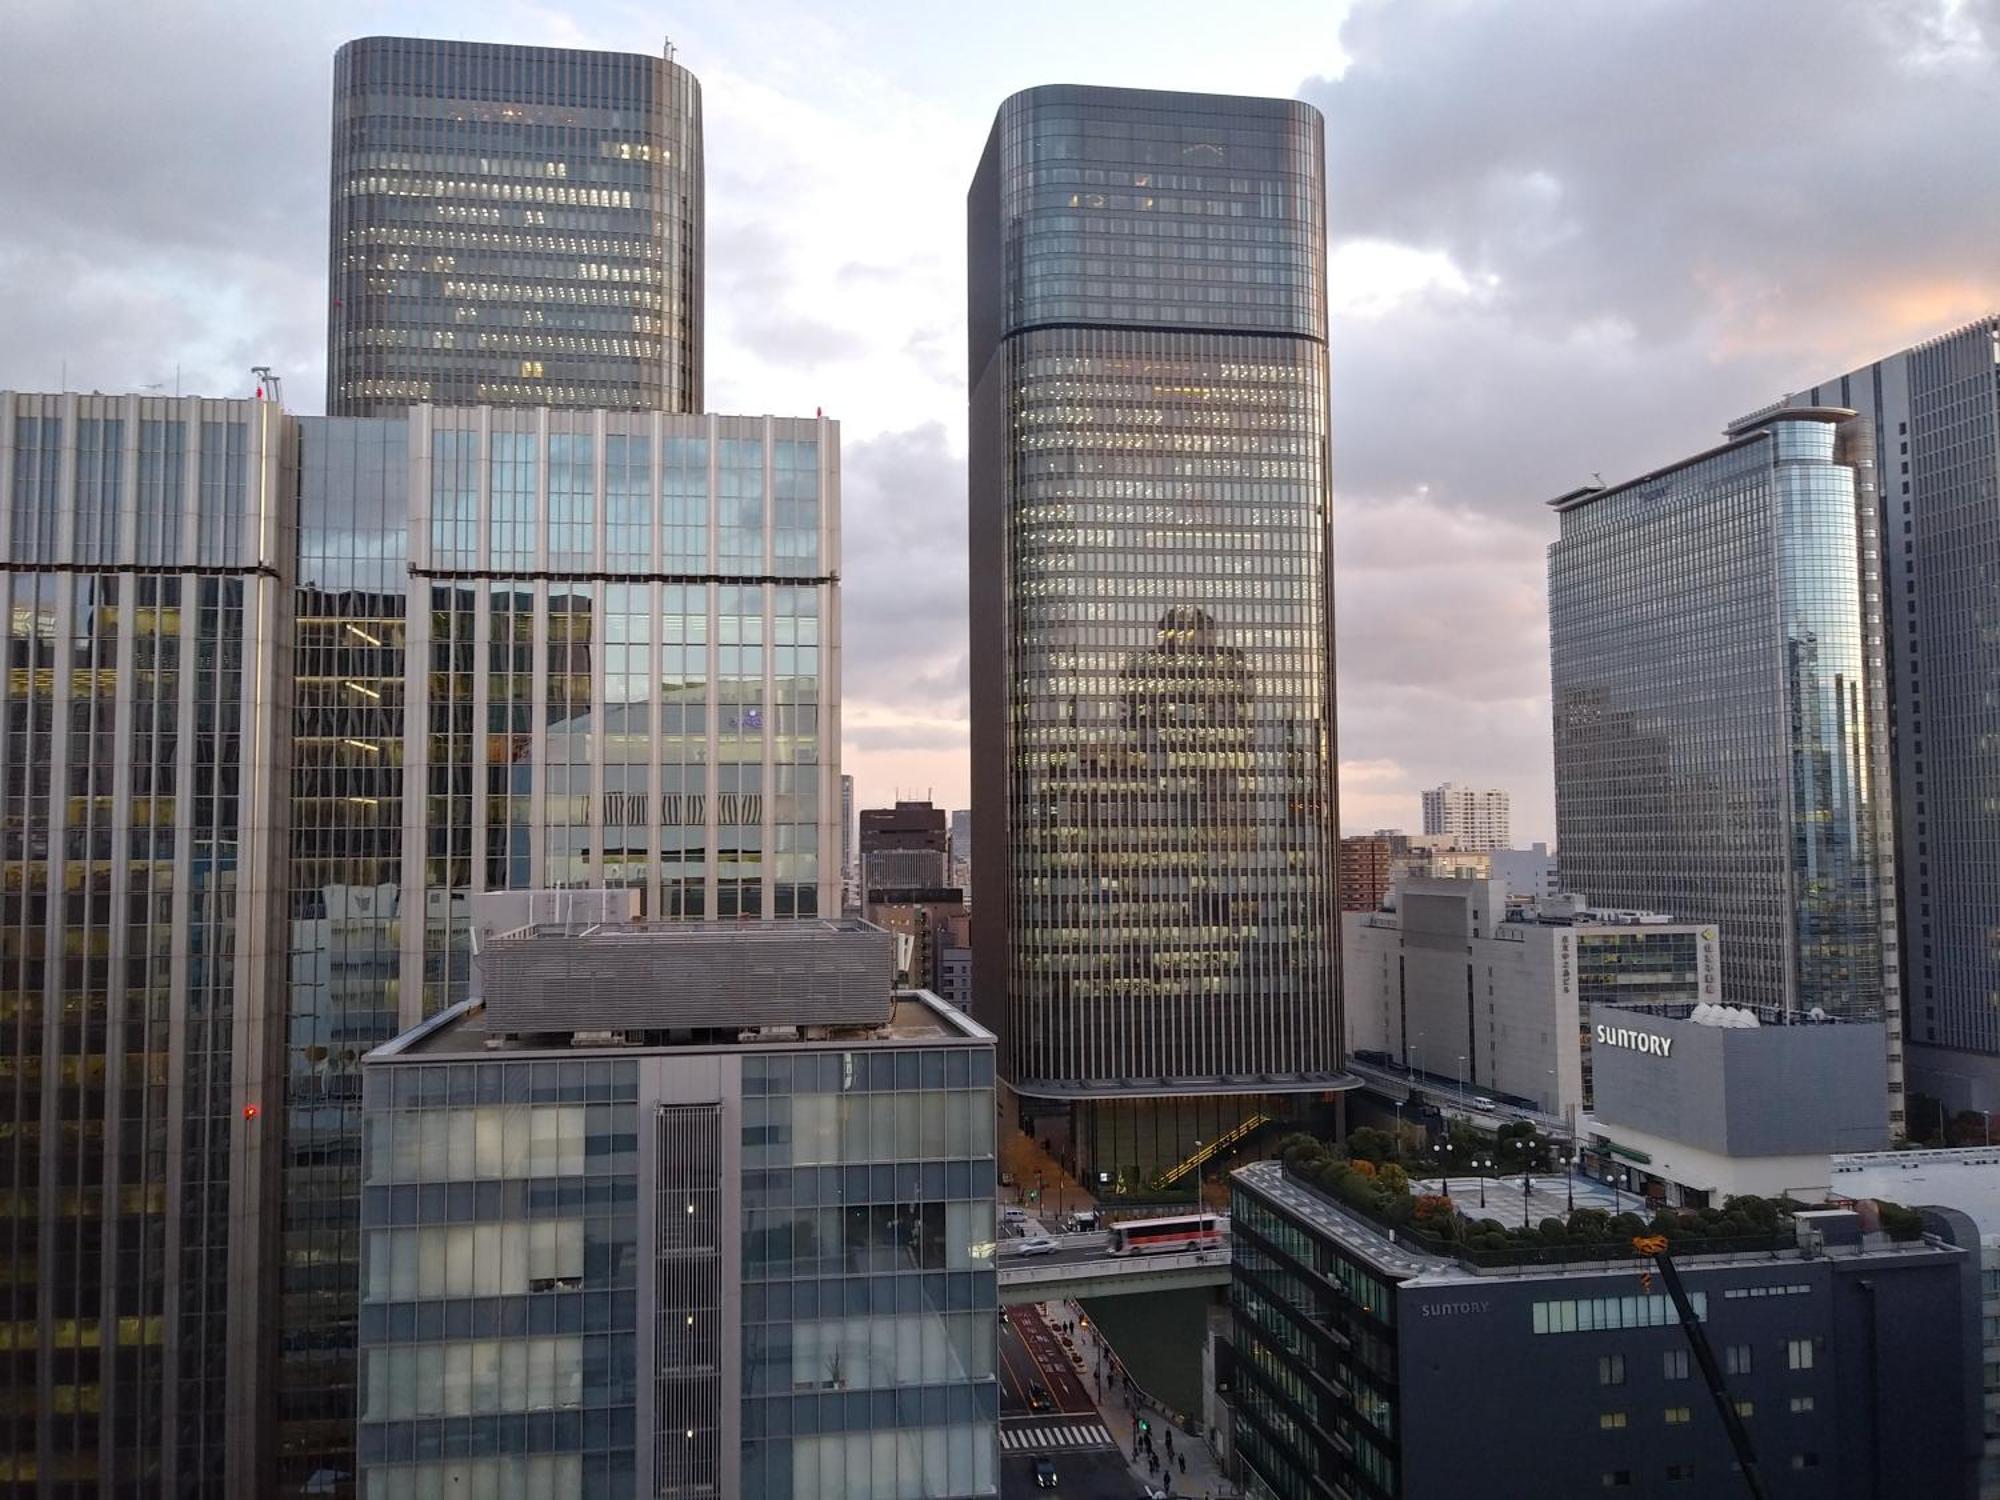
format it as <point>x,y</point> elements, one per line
<point>1720,720</point>
<point>1152,703</point>
<point>513,226</point>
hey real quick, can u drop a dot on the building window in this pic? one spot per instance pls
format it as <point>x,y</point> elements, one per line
<point>1617,1479</point>
<point>1802,1403</point>
<point>1680,1471</point>
<point>1610,1420</point>
<point>1805,1460</point>
<point>1736,1360</point>
<point>1675,1362</point>
<point>1611,1369</point>
<point>1746,1408</point>
<point>1678,1416</point>
<point>1799,1354</point>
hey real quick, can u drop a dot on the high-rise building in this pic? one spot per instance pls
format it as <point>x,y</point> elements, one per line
<point>1531,873</point>
<point>534,650</point>
<point>848,873</point>
<point>1930,417</point>
<point>635,1225</point>
<point>513,226</point>
<point>961,848</point>
<point>1475,818</point>
<point>146,566</point>
<point>906,847</point>
<point>1153,773</point>
<point>287,695</point>
<point>1721,746</point>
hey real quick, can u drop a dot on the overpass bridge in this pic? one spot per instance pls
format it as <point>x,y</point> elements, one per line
<point>1082,1265</point>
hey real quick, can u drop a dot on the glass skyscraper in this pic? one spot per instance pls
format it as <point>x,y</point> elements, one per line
<point>1152,703</point>
<point>535,650</point>
<point>146,577</point>
<point>1933,414</point>
<point>1720,714</point>
<point>513,226</point>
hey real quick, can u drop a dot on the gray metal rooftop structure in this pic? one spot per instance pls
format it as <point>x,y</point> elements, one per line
<point>679,976</point>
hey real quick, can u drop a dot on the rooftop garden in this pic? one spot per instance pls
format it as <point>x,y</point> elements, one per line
<point>1378,1188</point>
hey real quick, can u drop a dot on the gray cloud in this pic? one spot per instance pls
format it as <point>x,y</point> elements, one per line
<point>1665,215</point>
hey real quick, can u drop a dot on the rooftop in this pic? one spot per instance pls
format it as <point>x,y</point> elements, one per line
<point>916,1017</point>
<point>1965,1179</point>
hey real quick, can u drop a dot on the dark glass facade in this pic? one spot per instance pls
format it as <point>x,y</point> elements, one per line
<point>1720,732</point>
<point>515,226</point>
<point>1152,687</point>
<point>142,574</point>
<point>1933,413</point>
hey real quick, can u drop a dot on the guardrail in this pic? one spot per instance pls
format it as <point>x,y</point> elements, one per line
<point>1084,1270</point>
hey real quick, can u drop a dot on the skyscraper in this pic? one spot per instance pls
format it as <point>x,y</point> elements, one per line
<point>1931,416</point>
<point>147,583</point>
<point>1721,746</point>
<point>1475,818</point>
<point>535,649</point>
<point>1153,745</point>
<point>513,226</point>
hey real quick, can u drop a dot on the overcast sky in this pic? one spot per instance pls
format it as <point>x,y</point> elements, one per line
<point>1569,237</point>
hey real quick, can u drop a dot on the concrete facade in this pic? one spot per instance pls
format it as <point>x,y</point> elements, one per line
<point>1471,817</point>
<point>1455,973</point>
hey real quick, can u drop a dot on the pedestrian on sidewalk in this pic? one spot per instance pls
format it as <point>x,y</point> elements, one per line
<point>1184,1463</point>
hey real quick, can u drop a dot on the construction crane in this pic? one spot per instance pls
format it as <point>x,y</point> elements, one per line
<point>269,387</point>
<point>1654,1247</point>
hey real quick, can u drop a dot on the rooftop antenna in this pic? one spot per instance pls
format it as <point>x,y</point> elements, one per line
<point>269,387</point>
<point>667,46</point>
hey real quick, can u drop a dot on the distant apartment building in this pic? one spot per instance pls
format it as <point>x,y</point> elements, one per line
<point>1531,874</point>
<point>1721,734</point>
<point>513,226</point>
<point>1929,418</point>
<point>1457,983</point>
<point>1366,1365</point>
<point>849,871</point>
<point>1471,817</point>
<point>1364,871</point>
<point>1435,856</point>
<point>921,918</point>
<point>634,1223</point>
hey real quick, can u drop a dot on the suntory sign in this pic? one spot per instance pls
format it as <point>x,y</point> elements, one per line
<point>1637,1041</point>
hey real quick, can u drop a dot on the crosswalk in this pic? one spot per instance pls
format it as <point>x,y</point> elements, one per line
<point>1055,1435</point>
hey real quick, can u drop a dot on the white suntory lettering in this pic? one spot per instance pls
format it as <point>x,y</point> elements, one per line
<point>1636,1041</point>
<point>1453,1309</point>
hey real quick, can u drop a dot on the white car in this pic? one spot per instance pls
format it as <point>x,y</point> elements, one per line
<point>1036,1244</point>
<point>1484,1103</point>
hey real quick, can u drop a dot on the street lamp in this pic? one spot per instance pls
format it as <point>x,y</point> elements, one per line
<point>1479,1165</point>
<point>1399,1128</point>
<point>1461,1080</point>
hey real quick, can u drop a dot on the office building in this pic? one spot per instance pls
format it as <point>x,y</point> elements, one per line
<point>951,966</point>
<point>1460,986</point>
<point>1471,817</point>
<point>1964,1180</point>
<point>961,849</point>
<point>328,681</point>
<point>1436,857</point>
<point>147,580</point>
<point>1930,420</point>
<point>905,847</point>
<point>535,650</point>
<point>702,1210</point>
<point>1370,1365</point>
<point>1696,1105</point>
<point>513,226</point>
<point>1530,874</point>
<point>1153,790</point>
<point>849,871</point>
<point>1729,763</point>
<point>919,917</point>
<point>1364,871</point>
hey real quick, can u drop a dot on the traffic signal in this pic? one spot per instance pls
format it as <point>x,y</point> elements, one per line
<point>1144,1425</point>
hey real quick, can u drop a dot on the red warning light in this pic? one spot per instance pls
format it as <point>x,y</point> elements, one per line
<point>250,1111</point>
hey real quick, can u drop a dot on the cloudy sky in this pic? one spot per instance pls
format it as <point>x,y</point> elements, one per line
<point>1569,237</point>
